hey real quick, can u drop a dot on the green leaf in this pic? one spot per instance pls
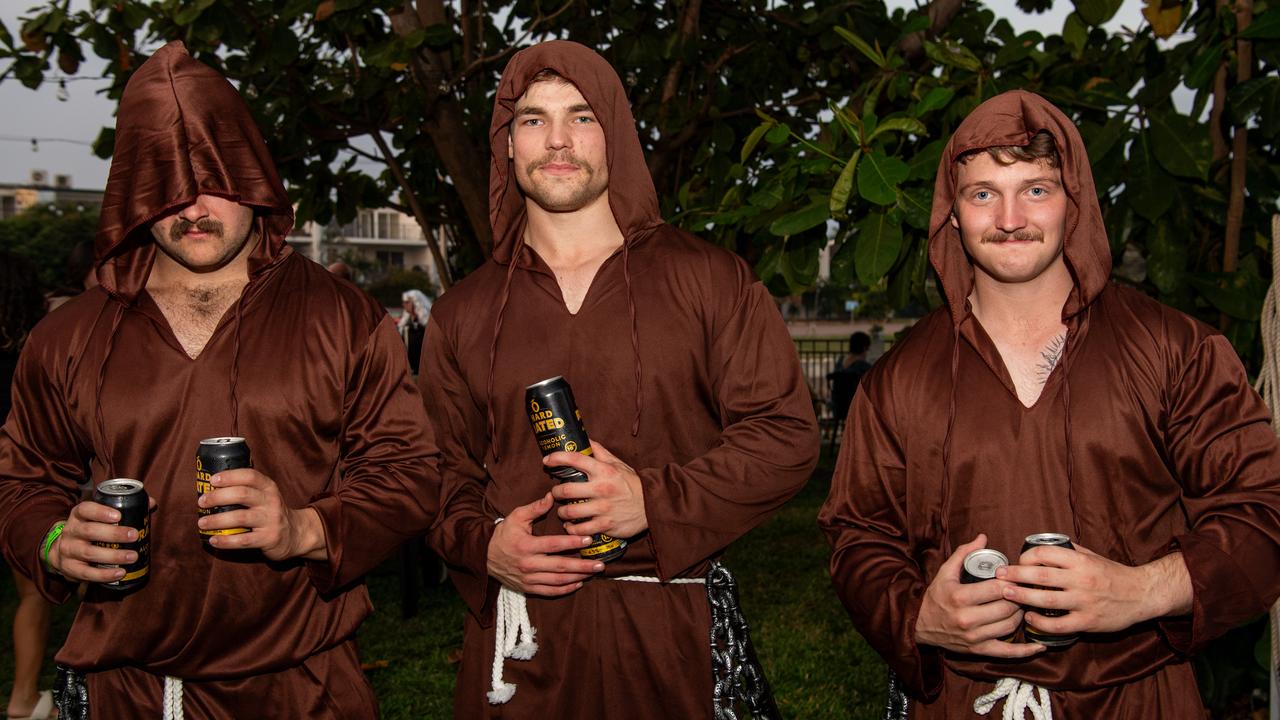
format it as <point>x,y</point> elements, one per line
<point>1166,258</point>
<point>949,52</point>
<point>1097,12</point>
<point>1236,294</point>
<point>914,202</point>
<point>1246,100</point>
<point>924,164</point>
<point>899,124</point>
<point>842,119</point>
<point>1075,33</point>
<point>880,176</point>
<point>105,144</point>
<point>777,134</point>
<point>844,185</point>
<point>800,267</point>
<point>1147,189</point>
<point>1264,27</point>
<point>1101,142</point>
<point>769,263</point>
<point>797,221</point>
<point>190,11</point>
<point>1182,144</point>
<point>874,55</point>
<point>1204,67</point>
<point>879,240</point>
<point>934,99</point>
<point>754,138</point>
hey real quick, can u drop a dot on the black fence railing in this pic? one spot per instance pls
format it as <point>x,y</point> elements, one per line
<point>818,357</point>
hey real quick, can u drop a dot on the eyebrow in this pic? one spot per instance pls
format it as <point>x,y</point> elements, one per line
<point>1040,180</point>
<point>536,110</point>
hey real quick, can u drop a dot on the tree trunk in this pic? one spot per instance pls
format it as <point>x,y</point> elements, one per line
<point>1239,145</point>
<point>464,161</point>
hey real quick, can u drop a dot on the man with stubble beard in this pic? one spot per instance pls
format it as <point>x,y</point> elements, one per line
<point>206,324</point>
<point>685,376</point>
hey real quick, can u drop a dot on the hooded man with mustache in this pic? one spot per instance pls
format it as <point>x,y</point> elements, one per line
<point>1041,398</point>
<point>688,384</point>
<point>206,324</point>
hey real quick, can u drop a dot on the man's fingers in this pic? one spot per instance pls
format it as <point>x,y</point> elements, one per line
<point>240,541</point>
<point>1003,649</point>
<point>100,532</point>
<point>953,563</point>
<point>78,570</point>
<point>577,461</point>
<point>601,452</point>
<point>232,519</point>
<point>552,544</point>
<point>570,491</point>
<point>555,579</point>
<point>235,495</point>
<point>1042,575</point>
<point>526,514</point>
<point>239,477</point>
<point>93,512</point>
<point>1058,557</point>
<point>86,552</point>
<point>551,590</point>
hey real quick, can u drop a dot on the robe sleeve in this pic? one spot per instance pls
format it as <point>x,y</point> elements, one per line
<point>1227,458</point>
<point>462,532</point>
<point>42,459</point>
<point>388,487</point>
<point>766,452</point>
<point>872,564</point>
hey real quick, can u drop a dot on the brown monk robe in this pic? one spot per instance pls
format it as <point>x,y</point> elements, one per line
<point>681,366</point>
<point>303,366</point>
<point>1146,440</point>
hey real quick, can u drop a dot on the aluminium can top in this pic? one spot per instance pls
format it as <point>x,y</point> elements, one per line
<point>548,381</point>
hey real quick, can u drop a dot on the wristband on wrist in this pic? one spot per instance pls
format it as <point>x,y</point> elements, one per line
<point>51,537</point>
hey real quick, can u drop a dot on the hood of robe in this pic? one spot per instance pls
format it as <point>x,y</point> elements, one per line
<point>1013,118</point>
<point>636,208</point>
<point>182,130</point>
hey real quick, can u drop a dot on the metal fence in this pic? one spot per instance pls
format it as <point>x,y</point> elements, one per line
<point>818,357</point>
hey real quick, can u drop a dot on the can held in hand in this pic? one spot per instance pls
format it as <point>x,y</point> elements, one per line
<point>212,457</point>
<point>981,565</point>
<point>557,425</point>
<point>129,498</point>
<point>1044,638</point>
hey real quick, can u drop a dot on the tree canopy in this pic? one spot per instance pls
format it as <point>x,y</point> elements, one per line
<point>770,127</point>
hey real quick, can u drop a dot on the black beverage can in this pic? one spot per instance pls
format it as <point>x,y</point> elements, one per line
<point>129,498</point>
<point>557,425</point>
<point>1044,638</point>
<point>981,565</point>
<point>212,457</point>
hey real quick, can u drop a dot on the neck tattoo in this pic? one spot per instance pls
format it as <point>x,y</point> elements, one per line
<point>1049,357</point>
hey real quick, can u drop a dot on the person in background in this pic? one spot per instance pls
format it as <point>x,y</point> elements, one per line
<point>413,324</point>
<point>21,306</point>
<point>847,374</point>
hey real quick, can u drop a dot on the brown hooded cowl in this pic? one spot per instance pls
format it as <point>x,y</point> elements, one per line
<point>1146,439</point>
<point>681,365</point>
<point>306,368</point>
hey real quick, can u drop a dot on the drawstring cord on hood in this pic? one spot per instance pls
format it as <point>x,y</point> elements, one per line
<point>946,443</point>
<point>101,381</point>
<point>635,334</point>
<point>493,346</point>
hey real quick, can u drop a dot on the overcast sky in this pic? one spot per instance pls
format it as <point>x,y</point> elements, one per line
<point>64,129</point>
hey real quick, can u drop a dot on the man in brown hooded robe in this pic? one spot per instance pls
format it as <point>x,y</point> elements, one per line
<point>1040,398</point>
<point>206,324</point>
<point>686,379</point>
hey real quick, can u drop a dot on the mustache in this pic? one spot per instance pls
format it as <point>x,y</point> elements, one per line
<point>1025,235</point>
<point>560,157</point>
<point>205,225</point>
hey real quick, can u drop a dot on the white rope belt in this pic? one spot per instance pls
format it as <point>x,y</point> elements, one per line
<point>1019,698</point>
<point>172,698</point>
<point>514,634</point>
